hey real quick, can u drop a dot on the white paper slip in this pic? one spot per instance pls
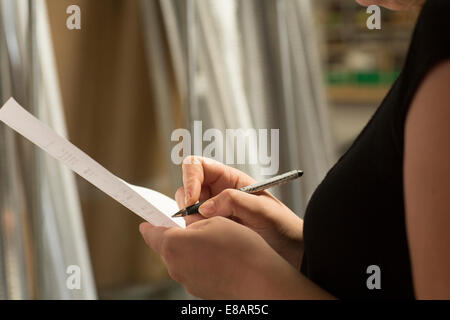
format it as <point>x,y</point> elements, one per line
<point>150,205</point>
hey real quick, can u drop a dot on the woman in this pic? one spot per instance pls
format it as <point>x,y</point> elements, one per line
<point>384,207</point>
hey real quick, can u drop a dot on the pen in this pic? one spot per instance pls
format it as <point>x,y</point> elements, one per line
<point>254,188</point>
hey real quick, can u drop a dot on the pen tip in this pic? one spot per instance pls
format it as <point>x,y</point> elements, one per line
<point>300,173</point>
<point>180,213</point>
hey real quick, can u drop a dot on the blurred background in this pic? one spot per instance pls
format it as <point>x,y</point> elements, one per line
<point>136,71</point>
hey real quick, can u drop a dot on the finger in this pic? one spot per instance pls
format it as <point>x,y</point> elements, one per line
<point>190,219</point>
<point>233,203</point>
<point>153,236</point>
<point>198,225</point>
<point>205,194</point>
<point>192,179</point>
<point>199,171</point>
<point>179,198</point>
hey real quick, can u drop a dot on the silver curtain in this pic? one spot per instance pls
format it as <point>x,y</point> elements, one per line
<point>41,227</point>
<point>230,64</point>
<point>244,64</point>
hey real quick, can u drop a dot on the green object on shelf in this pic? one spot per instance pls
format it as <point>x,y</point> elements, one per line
<point>364,78</point>
<point>369,78</point>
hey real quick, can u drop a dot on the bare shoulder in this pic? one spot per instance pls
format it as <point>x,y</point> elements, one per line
<point>429,113</point>
<point>427,184</point>
<point>427,129</point>
<point>433,94</point>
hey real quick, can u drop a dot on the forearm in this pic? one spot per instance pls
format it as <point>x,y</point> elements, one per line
<point>292,252</point>
<point>293,285</point>
<point>305,289</point>
<point>276,279</point>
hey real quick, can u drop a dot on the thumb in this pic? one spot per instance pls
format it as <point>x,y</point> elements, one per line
<point>231,202</point>
<point>153,236</point>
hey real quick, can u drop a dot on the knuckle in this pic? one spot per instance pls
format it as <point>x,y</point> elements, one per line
<point>190,180</point>
<point>179,192</point>
<point>190,291</point>
<point>174,274</point>
<point>218,219</point>
<point>230,196</point>
<point>165,251</point>
<point>169,245</point>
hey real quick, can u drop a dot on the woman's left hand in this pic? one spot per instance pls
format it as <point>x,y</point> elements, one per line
<point>218,258</point>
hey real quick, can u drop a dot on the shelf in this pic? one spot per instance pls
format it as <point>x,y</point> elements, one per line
<point>350,94</point>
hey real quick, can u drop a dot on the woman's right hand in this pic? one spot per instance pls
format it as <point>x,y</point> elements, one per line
<point>205,178</point>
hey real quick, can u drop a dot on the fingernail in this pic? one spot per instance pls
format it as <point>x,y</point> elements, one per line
<point>208,208</point>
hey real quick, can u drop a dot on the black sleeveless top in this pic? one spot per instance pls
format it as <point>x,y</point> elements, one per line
<point>356,216</point>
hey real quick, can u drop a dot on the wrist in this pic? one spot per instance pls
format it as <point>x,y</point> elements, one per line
<point>295,254</point>
<point>293,247</point>
<point>276,279</point>
<point>268,276</point>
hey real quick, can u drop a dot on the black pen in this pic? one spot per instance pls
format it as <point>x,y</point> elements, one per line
<point>254,188</point>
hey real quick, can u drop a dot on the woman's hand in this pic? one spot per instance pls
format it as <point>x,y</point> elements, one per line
<point>205,178</point>
<point>220,259</point>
